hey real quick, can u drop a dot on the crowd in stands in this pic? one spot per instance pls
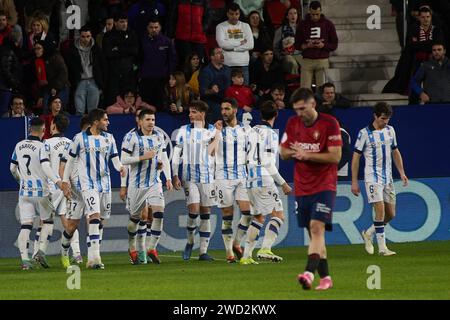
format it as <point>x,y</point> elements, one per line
<point>162,55</point>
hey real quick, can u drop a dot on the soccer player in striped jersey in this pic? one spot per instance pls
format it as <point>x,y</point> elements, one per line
<point>378,143</point>
<point>144,151</point>
<point>58,146</point>
<point>30,166</point>
<point>93,149</point>
<point>262,153</point>
<point>193,150</point>
<point>229,149</point>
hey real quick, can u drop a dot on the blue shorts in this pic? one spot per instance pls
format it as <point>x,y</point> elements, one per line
<point>318,206</point>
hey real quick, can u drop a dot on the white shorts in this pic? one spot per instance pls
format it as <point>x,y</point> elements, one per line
<point>59,202</point>
<point>96,202</point>
<point>229,191</point>
<point>76,206</point>
<point>30,207</point>
<point>203,193</point>
<point>380,193</point>
<point>265,200</point>
<point>138,198</point>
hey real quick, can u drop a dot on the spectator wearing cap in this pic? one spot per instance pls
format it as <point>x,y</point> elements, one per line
<point>120,48</point>
<point>316,37</point>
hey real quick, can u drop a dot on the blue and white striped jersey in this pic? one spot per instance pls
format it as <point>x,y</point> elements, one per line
<point>144,174</point>
<point>262,151</point>
<point>231,153</point>
<point>58,146</point>
<point>29,154</point>
<point>197,164</point>
<point>93,154</point>
<point>377,146</point>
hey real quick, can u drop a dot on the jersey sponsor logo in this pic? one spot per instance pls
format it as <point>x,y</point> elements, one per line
<point>311,147</point>
<point>335,137</point>
<point>321,207</point>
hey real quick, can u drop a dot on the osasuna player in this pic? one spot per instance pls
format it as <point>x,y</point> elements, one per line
<point>76,206</point>
<point>58,146</point>
<point>144,151</point>
<point>262,153</point>
<point>378,143</point>
<point>193,150</point>
<point>93,149</point>
<point>230,176</point>
<point>314,141</point>
<point>30,166</point>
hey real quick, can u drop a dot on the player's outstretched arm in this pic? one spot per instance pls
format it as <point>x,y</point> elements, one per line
<point>398,161</point>
<point>355,169</point>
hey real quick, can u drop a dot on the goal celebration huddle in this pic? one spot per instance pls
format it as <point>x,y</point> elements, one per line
<point>223,164</point>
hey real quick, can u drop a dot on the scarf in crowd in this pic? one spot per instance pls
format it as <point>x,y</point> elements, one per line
<point>288,39</point>
<point>41,73</point>
<point>424,35</point>
<point>33,38</point>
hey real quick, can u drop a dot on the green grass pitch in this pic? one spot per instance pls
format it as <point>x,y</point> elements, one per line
<point>418,271</point>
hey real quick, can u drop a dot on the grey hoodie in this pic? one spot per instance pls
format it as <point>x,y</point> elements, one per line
<point>86,59</point>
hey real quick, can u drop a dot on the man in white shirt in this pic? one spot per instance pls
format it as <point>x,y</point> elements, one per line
<point>236,40</point>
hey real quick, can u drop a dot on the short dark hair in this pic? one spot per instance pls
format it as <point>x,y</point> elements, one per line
<point>212,51</point>
<point>438,43</point>
<point>84,121</point>
<point>237,72</point>
<point>61,122</point>
<point>425,9</point>
<point>18,96</point>
<point>96,115</point>
<point>145,112</point>
<point>314,5</point>
<point>382,108</point>
<point>153,19</point>
<point>233,7</point>
<point>120,16</point>
<point>327,85</point>
<point>277,86</point>
<point>3,13</point>
<point>231,101</point>
<point>268,110</point>
<point>36,123</point>
<point>304,94</point>
<point>199,105</point>
<point>53,98</point>
<point>86,28</point>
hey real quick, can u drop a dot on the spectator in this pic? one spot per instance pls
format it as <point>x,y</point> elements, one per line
<point>188,22</point>
<point>39,31</point>
<point>55,107</point>
<point>5,27</point>
<point>236,40</point>
<point>316,37</point>
<point>127,103</point>
<point>247,6</point>
<point>109,25</point>
<point>86,71</point>
<point>191,72</point>
<point>51,75</point>
<point>284,42</point>
<point>276,10</point>
<point>159,60</point>
<point>143,11</point>
<point>17,108</point>
<point>434,76</point>
<point>265,72</point>
<point>277,94</point>
<point>329,100</point>
<point>214,79</point>
<point>10,74</point>
<point>217,14</point>
<point>120,47</point>
<point>261,35</point>
<point>178,94</point>
<point>9,8</point>
<point>242,93</point>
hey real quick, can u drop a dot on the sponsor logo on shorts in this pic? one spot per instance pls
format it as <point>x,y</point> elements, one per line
<point>323,208</point>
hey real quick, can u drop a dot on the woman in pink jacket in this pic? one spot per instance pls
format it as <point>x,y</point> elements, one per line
<point>127,103</point>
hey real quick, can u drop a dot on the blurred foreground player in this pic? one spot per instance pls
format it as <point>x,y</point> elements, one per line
<point>314,140</point>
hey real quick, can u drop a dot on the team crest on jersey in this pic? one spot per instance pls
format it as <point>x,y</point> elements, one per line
<point>316,135</point>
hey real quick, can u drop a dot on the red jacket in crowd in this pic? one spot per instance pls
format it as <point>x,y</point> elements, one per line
<point>243,95</point>
<point>190,20</point>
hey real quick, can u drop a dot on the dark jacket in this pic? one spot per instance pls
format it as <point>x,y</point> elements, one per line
<point>264,79</point>
<point>435,79</point>
<point>75,67</point>
<point>57,74</point>
<point>142,11</point>
<point>159,57</point>
<point>120,49</point>
<point>10,69</point>
<point>423,45</point>
<point>188,20</point>
<point>210,76</point>
<point>340,102</point>
<point>307,30</point>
